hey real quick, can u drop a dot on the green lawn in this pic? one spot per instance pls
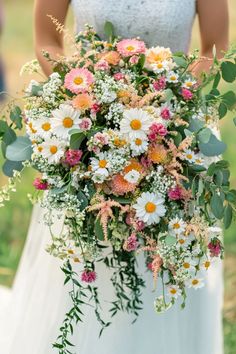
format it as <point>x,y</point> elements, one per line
<point>17,48</point>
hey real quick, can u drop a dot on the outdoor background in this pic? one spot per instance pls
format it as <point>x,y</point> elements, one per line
<point>17,48</point>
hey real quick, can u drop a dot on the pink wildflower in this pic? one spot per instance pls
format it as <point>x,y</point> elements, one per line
<point>88,276</point>
<point>160,84</point>
<point>131,244</point>
<point>186,94</point>
<point>95,108</point>
<point>149,266</point>
<point>129,47</point>
<point>101,138</point>
<point>40,184</point>
<point>165,113</point>
<point>175,193</point>
<point>85,124</point>
<point>134,60</point>
<point>72,157</point>
<point>145,162</point>
<point>140,225</point>
<point>78,80</point>
<point>118,76</point>
<point>215,248</point>
<point>158,128</point>
<point>102,65</point>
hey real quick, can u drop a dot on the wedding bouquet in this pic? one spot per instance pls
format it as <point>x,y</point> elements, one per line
<point>127,144</point>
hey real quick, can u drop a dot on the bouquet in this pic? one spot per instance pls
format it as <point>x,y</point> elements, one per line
<point>127,145</point>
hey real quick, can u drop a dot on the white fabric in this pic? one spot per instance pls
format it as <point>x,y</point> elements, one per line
<point>39,300</point>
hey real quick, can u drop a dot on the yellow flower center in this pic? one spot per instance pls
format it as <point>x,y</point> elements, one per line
<point>189,156</point>
<point>102,163</point>
<point>32,128</point>
<point>181,241</point>
<point>76,260</point>
<point>176,225</point>
<point>53,149</point>
<point>135,124</point>
<point>189,84</point>
<point>195,281</point>
<point>46,126</point>
<point>207,264</point>
<point>70,251</point>
<point>130,48</point>
<point>67,122</point>
<point>138,141</point>
<point>78,80</point>
<point>150,207</point>
<point>159,65</point>
<point>173,78</point>
<point>186,265</point>
<point>40,148</point>
<point>173,291</point>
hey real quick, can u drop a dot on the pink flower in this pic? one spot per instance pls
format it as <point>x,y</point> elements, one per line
<point>129,47</point>
<point>186,94</point>
<point>145,162</point>
<point>72,157</point>
<point>102,65</point>
<point>160,84</point>
<point>118,76</point>
<point>149,266</point>
<point>134,59</point>
<point>85,124</point>
<point>40,184</point>
<point>131,244</point>
<point>95,108</point>
<point>101,138</point>
<point>88,276</point>
<point>159,129</point>
<point>215,248</point>
<point>140,225</point>
<point>78,80</point>
<point>175,193</point>
<point>165,113</point>
<point>152,136</point>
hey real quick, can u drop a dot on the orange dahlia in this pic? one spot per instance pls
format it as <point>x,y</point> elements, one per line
<point>134,165</point>
<point>157,153</point>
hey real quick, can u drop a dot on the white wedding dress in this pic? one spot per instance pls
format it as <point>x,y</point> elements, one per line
<point>35,307</point>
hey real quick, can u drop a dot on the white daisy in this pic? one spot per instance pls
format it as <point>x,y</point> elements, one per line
<point>132,176</point>
<point>206,262</point>
<point>135,123</point>
<point>100,165</point>
<point>189,264</point>
<point>195,283</point>
<point>150,208</point>
<point>189,155</point>
<point>44,127</point>
<point>189,83</point>
<point>177,226</point>
<point>183,242</point>
<point>160,66</point>
<point>199,159</point>
<point>64,119</point>
<point>138,146</point>
<point>173,291</point>
<point>52,150</point>
<point>172,77</point>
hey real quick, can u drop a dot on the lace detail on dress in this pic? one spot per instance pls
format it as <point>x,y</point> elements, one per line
<point>157,22</point>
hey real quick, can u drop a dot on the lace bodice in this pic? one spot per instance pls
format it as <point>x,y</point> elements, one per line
<point>157,22</point>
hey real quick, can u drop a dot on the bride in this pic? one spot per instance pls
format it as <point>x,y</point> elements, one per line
<point>38,300</point>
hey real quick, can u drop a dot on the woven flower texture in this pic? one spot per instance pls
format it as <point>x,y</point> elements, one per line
<point>127,146</point>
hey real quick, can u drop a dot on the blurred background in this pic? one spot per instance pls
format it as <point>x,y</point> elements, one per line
<point>16,48</point>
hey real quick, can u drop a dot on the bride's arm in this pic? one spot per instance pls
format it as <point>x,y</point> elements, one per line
<point>214,29</point>
<point>46,36</point>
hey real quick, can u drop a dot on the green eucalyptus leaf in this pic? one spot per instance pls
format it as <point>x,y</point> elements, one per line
<point>9,136</point>
<point>214,147</point>
<point>109,31</point>
<point>76,140</point>
<point>170,240</point>
<point>20,149</point>
<point>204,135</point>
<point>211,169</point>
<point>216,80</point>
<point>228,215</point>
<point>98,230</point>
<point>218,178</point>
<point>3,127</point>
<point>180,61</point>
<point>177,139</point>
<point>195,125</point>
<point>222,110</point>
<point>9,167</point>
<point>83,200</point>
<point>231,196</point>
<point>217,206</point>
<point>228,71</point>
<point>16,117</point>
<point>229,99</point>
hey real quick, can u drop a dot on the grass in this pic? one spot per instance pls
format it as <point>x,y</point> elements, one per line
<point>17,48</point>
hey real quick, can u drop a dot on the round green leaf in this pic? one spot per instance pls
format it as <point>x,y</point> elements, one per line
<point>228,214</point>
<point>228,71</point>
<point>20,149</point>
<point>217,206</point>
<point>214,147</point>
<point>9,167</point>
